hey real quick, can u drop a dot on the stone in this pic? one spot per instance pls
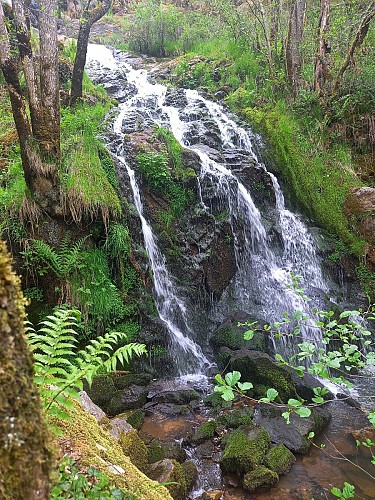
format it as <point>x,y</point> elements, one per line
<point>117,426</point>
<point>170,471</point>
<point>124,381</point>
<point>204,432</point>
<point>280,459</point>
<point>191,474</point>
<point>259,477</point>
<point>101,390</point>
<point>293,435</point>
<point>260,369</point>
<point>131,398</point>
<point>245,449</point>
<point>237,417</point>
<point>230,335</point>
<point>91,407</point>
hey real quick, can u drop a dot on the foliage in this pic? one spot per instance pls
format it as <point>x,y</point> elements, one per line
<point>118,242</point>
<point>90,484</point>
<point>59,368</point>
<point>87,176</point>
<point>345,493</point>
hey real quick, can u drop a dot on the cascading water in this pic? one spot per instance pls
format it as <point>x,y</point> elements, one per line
<point>262,285</point>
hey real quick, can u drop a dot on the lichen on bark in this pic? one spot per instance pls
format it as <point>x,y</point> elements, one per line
<point>24,439</point>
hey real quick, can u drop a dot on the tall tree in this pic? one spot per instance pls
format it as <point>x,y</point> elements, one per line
<point>293,53</point>
<point>24,440</point>
<point>91,14</point>
<point>358,40</point>
<point>39,135</point>
<point>322,63</point>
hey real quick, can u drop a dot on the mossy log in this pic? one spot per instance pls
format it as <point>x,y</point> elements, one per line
<point>24,440</point>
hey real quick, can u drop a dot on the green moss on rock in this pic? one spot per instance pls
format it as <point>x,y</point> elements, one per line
<point>135,418</point>
<point>205,431</point>
<point>170,471</point>
<point>135,449</point>
<point>237,417</point>
<point>245,449</point>
<point>259,477</point>
<point>280,459</point>
<point>155,453</point>
<point>191,474</point>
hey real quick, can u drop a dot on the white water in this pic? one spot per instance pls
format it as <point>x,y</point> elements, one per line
<point>263,274</point>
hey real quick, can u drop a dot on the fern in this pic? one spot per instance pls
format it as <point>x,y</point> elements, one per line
<point>59,370</point>
<point>62,261</point>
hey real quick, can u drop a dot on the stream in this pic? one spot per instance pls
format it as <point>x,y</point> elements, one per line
<point>264,258</point>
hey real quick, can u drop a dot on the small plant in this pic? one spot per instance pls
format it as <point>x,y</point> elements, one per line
<point>347,492</point>
<point>80,485</point>
<point>59,369</point>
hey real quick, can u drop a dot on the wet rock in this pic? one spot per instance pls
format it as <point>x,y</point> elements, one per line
<point>348,400</point>
<point>132,122</point>
<point>167,391</point>
<point>175,98</point>
<point>130,398</point>
<point>293,435</point>
<point>205,450</point>
<point>212,495</point>
<point>204,432</point>
<point>230,335</point>
<point>191,474</point>
<point>168,409</point>
<point>280,459</point>
<point>245,449</point>
<point>91,407</point>
<point>173,450</point>
<point>237,417</point>
<point>220,268</point>
<point>259,477</point>
<point>170,471</point>
<point>260,369</point>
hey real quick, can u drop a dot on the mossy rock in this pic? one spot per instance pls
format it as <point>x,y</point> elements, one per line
<point>191,474</point>
<point>245,449</point>
<point>261,477</point>
<point>204,432</point>
<point>216,401</point>
<point>135,449</point>
<point>135,418</point>
<point>101,390</point>
<point>260,369</point>
<point>124,381</point>
<point>237,417</point>
<point>230,335</point>
<point>280,459</point>
<point>95,447</point>
<point>155,453</point>
<point>170,471</point>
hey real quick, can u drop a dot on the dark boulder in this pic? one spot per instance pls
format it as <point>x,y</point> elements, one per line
<point>295,434</point>
<point>130,398</point>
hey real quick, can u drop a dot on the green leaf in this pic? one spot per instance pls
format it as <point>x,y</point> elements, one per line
<point>245,386</point>
<point>294,403</point>
<point>219,379</point>
<point>249,335</point>
<point>272,394</point>
<point>303,411</point>
<point>232,378</point>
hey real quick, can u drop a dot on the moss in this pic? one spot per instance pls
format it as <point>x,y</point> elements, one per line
<point>259,477</point>
<point>26,455</point>
<point>191,474</point>
<point>135,418</point>
<point>95,447</point>
<point>155,453</point>
<point>205,431</point>
<point>280,459</point>
<point>237,417</point>
<point>242,453</point>
<point>179,490</point>
<point>216,401</point>
<point>232,337</point>
<point>135,449</point>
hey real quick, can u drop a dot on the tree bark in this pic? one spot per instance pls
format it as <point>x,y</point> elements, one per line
<point>357,42</point>
<point>322,70</point>
<point>293,55</point>
<point>39,136</point>
<point>88,18</point>
<point>24,440</point>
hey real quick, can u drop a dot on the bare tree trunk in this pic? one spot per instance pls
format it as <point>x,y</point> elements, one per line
<point>322,71</point>
<point>357,42</point>
<point>89,17</point>
<point>293,44</point>
<point>24,440</point>
<point>40,136</point>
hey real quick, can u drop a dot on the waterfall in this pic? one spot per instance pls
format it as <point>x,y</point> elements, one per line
<point>263,284</point>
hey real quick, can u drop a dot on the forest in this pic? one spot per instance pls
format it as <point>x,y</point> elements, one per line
<point>187,249</point>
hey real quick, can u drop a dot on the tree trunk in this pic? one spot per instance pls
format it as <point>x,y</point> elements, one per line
<point>24,440</point>
<point>322,70</point>
<point>293,44</point>
<point>357,42</point>
<point>39,136</point>
<point>89,17</point>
